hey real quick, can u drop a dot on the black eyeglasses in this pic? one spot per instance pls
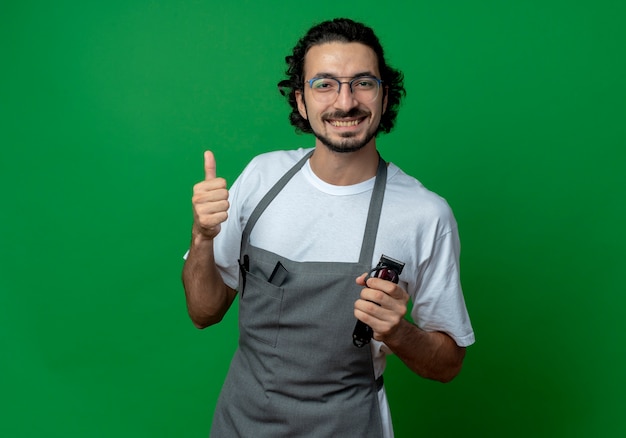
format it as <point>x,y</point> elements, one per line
<point>364,88</point>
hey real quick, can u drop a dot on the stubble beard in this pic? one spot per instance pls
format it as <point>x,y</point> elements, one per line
<point>348,143</point>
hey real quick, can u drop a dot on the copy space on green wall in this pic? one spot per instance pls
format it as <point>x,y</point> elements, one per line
<point>515,114</point>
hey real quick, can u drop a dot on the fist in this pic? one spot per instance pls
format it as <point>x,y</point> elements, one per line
<point>210,201</point>
<point>382,305</point>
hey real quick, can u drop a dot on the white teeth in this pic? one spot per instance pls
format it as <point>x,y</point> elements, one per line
<point>350,123</point>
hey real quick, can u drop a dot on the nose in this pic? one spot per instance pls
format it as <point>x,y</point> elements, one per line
<point>345,100</point>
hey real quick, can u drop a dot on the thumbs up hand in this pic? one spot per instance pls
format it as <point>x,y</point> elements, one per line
<point>210,201</point>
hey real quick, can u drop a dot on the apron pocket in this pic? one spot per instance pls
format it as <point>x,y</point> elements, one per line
<point>259,309</point>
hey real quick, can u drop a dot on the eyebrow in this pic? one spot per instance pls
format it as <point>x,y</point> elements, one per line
<point>330,75</point>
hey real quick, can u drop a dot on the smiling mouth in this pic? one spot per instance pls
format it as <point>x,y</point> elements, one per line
<point>345,123</point>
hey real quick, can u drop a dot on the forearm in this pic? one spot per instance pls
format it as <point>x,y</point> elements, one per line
<point>208,298</point>
<point>432,355</point>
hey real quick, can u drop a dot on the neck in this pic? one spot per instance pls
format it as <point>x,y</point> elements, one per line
<point>343,169</point>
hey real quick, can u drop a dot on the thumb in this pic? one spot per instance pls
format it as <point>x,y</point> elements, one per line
<point>360,280</point>
<point>209,166</point>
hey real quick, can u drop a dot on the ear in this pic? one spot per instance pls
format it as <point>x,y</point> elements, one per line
<point>301,104</point>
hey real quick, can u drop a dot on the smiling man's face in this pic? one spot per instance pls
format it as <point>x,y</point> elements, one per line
<point>344,124</point>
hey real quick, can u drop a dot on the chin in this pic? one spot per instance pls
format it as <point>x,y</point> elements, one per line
<point>344,149</point>
<point>347,144</point>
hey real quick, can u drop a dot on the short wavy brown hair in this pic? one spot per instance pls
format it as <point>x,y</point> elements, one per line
<point>347,31</point>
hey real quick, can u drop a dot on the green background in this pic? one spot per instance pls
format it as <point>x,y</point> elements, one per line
<point>516,114</point>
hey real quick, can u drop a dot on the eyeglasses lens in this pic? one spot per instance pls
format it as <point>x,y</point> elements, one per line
<point>364,89</point>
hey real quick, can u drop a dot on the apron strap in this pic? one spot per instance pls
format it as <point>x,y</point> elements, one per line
<point>373,216</point>
<point>269,197</point>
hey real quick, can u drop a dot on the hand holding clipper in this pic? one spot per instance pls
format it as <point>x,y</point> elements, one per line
<point>386,269</point>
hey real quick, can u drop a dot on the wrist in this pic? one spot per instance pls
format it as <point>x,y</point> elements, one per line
<point>200,239</point>
<point>402,332</point>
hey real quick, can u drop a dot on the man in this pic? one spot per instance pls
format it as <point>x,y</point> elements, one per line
<point>296,236</point>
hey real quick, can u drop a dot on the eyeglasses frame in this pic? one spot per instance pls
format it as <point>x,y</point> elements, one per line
<point>336,79</point>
